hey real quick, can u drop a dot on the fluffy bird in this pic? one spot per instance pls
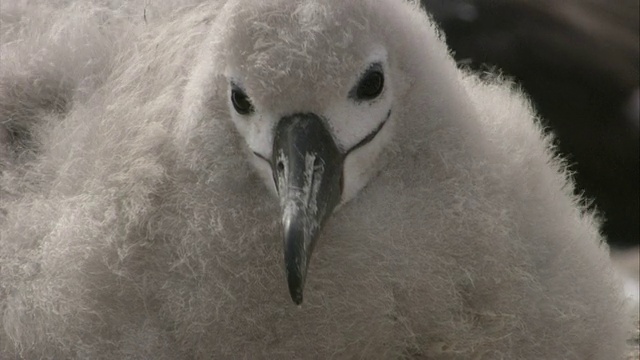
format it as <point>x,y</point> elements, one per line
<point>229,157</point>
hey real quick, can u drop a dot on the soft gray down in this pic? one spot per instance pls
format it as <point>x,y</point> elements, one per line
<point>174,176</point>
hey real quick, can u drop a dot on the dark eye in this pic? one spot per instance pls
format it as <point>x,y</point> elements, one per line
<point>370,85</point>
<point>241,102</point>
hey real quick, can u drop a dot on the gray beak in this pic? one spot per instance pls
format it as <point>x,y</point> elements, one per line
<point>307,170</point>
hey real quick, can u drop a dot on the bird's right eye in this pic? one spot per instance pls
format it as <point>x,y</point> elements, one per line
<point>241,102</point>
<point>370,85</point>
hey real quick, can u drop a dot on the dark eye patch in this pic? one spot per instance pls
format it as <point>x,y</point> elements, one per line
<point>241,102</point>
<point>370,85</point>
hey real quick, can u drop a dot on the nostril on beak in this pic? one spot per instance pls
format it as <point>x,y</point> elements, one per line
<point>278,174</point>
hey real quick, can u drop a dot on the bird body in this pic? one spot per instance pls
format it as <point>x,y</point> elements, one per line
<point>147,226</point>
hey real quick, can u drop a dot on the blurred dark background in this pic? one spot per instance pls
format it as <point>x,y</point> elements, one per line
<point>579,62</point>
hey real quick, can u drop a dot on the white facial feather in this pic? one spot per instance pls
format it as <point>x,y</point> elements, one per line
<point>350,121</point>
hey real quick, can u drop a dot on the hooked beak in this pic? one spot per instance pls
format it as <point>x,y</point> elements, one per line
<point>307,170</point>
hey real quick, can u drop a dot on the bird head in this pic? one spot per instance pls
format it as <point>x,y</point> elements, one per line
<point>314,89</point>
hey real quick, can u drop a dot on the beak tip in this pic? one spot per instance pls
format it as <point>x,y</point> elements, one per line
<point>297,298</point>
<point>296,286</point>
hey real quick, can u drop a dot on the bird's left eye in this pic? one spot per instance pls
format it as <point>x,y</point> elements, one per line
<point>241,102</point>
<point>370,85</point>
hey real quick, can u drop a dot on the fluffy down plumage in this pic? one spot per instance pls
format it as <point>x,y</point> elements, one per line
<point>134,224</point>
